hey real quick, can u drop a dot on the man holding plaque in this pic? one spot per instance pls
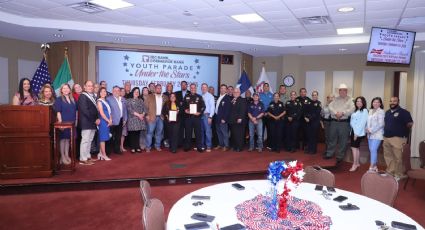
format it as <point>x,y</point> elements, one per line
<point>194,108</point>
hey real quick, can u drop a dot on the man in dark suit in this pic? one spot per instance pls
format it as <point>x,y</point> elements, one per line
<point>119,118</point>
<point>222,110</point>
<point>180,98</point>
<point>237,119</point>
<point>88,121</point>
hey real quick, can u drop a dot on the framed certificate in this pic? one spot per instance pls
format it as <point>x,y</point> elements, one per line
<point>172,116</point>
<point>192,108</point>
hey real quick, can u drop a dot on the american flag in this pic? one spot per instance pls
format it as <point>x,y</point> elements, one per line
<point>41,77</point>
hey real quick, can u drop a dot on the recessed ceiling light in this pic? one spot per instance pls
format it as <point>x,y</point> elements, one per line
<point>119,39</point>
<point>355,30</point>
<point>112,4</point>
<point>342,49</point>
<point>195,23</point>
<point>58,35</point>
<point>165,43</point>
<point>187,13</point>
<point>248,18</point>
<point>346,9</point>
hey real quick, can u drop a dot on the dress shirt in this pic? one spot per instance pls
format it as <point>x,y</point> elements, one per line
<point>344,105</point>
<point>209,104</point>
<point>119,102</point>
<point>218,102</point>
<point>158,100</point>
<point>358,122</point>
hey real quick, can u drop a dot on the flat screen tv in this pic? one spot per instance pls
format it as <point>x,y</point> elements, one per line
<point>390,46</point>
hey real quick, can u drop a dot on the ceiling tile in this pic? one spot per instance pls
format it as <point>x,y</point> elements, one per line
<point>136,12</point>
<point>277,15</point>
<point>269,5</point>
<point>236,9</point>
<point>186,5</point>
<point>383,14</point>
<point>299,34</point>
<point>344,2</point>
<point>310,12</point>
<point>302,4</point>
<point>388,22</point>
<point>160,7</point>
<point>416,3</point>
<point>206,13</point>
<point>414,12</point>
<point>68,11</point>
<point>323,33</point>
<point>359,16</point>
<point>315,27</point>
<point>385,5</point>
<point>291,29</point>
<point>348,24</point>
<point>41,4</point>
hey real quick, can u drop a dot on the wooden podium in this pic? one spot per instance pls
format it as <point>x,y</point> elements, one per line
<point>25,141</point>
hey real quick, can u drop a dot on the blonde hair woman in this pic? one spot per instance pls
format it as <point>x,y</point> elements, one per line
<point>46,96</point>
<point>66,111</point>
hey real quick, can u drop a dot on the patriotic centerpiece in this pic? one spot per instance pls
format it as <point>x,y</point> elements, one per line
<point>294,173</point>
<point>280,210</point>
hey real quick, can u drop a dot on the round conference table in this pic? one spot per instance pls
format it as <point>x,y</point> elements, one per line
<point>224,198</point>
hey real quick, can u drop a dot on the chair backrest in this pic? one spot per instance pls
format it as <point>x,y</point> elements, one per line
<point>422,153</point>
<point>153,215</point>
<point>381,187</point>
<point>319,175</point>
<point>145,191</point>
<point>406,157</point>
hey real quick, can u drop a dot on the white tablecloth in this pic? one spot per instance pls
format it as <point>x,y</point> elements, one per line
<point>224,198</point>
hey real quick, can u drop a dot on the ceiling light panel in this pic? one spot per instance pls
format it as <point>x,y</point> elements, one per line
<point>112,4</point>
<point>248,18</point>
<point>355,30</point>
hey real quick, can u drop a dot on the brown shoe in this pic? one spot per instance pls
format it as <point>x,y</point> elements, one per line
<point>86,163</point>
<point>208,150</point>
<point>217,148</point>
<point>225,149</point>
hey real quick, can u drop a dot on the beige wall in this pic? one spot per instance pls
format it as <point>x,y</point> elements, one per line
<point>300,64</point>
<point>13,50</point>
<point>229,73</point>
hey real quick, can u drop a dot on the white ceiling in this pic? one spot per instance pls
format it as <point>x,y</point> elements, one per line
<point>161,22</point>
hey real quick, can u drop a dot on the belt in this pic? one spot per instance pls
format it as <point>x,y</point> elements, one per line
<point>344,120</point>
<point>324,119</point>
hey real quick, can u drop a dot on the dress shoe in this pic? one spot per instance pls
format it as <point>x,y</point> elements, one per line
<point>225,149</point>
<point>158,149</point>
<point>138,150</point>
<point>326,157</point>
<point>173,151</point>
<point>200,150</point>
<point>250,149</point>
<point>217,147</point>
<point>186,149</point>
<point>133,151</point>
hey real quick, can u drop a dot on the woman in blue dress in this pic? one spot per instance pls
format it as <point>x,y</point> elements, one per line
<point>66,111</point>
<point>105,121</point>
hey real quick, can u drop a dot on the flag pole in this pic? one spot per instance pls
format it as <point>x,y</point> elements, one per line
<point>67,60</point>
<point>45,48</point>
<point>244,65</point>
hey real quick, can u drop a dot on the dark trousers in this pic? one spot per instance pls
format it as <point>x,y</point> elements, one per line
<point>303,133</point>
<point>292,135</point>
<point>182,131</point>
<point>312,135</point>
<point>133,137</point>
<point>78,143</point>
<point>173,134</point>
<point>193,123</point>
<point>214,133</point>
<point>115,141</point>
<point>266,126</point>
<point>275,134</point>
<point>238,135</point>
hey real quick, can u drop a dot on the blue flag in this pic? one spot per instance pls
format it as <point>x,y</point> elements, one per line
<point>41,77</point>
<point>244,84</point>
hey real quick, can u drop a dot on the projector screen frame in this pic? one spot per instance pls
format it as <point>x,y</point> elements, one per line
<point>377,63</point>
<point>219,56</point>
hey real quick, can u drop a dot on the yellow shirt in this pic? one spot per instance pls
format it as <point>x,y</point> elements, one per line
<point>173,106</point>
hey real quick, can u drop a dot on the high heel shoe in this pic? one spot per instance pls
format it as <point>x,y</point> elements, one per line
<point>354,168</point>
<point>103,158</point>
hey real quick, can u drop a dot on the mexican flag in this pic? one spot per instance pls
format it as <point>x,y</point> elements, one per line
<point>64,76</point>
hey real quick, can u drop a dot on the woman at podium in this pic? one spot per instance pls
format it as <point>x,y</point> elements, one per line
<point>24,96</point>
<point>66,111</point>
<point>46,96</point>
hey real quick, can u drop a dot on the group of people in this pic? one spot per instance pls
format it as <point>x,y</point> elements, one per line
<point>147,118</point>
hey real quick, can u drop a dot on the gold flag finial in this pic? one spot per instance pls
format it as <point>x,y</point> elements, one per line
<point>264,63</point>
<point>44,48</point>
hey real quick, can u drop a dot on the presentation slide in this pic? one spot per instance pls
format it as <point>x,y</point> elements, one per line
<point>141,68</point>
<point>390,46</point>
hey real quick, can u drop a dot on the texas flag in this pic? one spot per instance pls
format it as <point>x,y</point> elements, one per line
<point>244,84</point>
<point>263,79</point>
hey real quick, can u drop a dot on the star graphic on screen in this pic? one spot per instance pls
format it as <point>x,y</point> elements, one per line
<point>197,72</point>
<point>194,77</point>
<point>131,74</point>
<point>124,64</point>
<point>126,70</point>
<point>198,67</point>
<point>196,61</point>
<point>126,57</point>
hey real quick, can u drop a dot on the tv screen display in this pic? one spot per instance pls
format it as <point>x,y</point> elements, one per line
<point>390,46</point>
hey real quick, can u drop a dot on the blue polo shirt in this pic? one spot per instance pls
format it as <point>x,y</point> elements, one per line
<point>396,123</point>
<point>256,109</point>
<point>266,98</point>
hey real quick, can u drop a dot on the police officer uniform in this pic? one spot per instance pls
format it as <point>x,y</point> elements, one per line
<point>293,110</point>
<point>312,111</point>
<point>303,129</point>
<point>276,109</point>
<point>192,121</point>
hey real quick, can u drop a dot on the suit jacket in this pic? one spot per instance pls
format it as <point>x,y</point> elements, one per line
<point>179,96</point>
<point>87,112</point>
<point>115,110</point>
<point>223,110</point>
<point>150,104</point>
<point>238,110</point>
